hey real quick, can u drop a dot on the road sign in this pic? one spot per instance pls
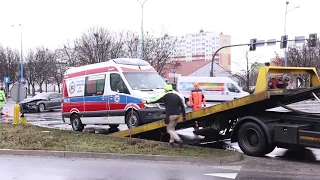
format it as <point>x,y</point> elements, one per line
<point>260,43</point>
<point>6,79</point>
<point>299,39</point>
<point>18,92</point>
<point>271,42</point>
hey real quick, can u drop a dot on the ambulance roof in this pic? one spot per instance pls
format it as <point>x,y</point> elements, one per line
<point>112,62</point>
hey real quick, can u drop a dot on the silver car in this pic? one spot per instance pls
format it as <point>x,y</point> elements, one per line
<point>42,102</point>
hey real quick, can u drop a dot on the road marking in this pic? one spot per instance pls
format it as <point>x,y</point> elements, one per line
<point>223,175</point>
<point>234,168</point>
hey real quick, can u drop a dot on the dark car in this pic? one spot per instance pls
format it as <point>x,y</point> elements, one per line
<point>42,102</point>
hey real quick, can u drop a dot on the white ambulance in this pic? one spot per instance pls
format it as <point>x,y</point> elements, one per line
<point>110,93</point>
<point>215,89</point>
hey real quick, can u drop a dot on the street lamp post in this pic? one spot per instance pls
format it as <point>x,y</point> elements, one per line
<point>285,29</point>
<point>142,39</point>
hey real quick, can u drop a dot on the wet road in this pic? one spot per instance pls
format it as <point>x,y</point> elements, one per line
<point>51,168</point>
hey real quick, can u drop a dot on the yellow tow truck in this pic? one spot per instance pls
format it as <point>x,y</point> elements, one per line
<point>248,121</point>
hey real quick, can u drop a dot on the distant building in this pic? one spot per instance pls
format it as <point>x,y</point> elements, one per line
<point>199,68</point>
<point>202,46</point>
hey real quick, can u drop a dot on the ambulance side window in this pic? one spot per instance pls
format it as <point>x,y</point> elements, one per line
<point>95,85</point>
<point>117,84</point>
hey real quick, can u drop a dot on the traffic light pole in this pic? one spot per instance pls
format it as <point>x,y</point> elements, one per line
<point>211,73</point>
<point>251,44</point>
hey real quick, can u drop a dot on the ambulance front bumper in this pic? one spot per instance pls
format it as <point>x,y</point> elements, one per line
<point>149,115</point>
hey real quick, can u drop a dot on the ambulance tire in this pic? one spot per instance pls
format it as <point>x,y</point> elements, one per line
<point>76,123</point>
<point>113,126</point>
<point>132,114</point>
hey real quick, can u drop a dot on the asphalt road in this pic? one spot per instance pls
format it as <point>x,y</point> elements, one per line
<point>51,168</point>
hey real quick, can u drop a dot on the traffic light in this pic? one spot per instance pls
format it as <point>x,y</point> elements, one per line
<point>312,40</point>
<point>284,41</point>
<point>253,44</point>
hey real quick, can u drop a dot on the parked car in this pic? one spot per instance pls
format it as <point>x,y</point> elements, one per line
<point>42,102</point>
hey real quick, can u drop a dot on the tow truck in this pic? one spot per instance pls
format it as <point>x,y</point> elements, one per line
<point>249,121</point>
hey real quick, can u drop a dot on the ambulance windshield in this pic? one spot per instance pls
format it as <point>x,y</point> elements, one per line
<point>144,80</point>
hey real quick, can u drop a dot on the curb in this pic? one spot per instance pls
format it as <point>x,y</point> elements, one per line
<point>70,154</point>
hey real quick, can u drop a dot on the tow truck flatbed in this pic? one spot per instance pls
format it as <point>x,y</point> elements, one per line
<point>239,115</point>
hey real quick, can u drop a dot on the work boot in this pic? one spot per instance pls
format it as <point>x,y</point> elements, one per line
<point>180,142</point>
<point>171,144</point>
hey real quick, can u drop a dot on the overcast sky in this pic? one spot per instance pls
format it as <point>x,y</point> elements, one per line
<point>52,22</point>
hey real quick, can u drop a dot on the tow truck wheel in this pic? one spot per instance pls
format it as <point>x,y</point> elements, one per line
<point>252,139</point>
<point>76,123</point>
<point>132,119</point>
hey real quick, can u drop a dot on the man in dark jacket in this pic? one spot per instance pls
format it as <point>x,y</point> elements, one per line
<point>174,107</point>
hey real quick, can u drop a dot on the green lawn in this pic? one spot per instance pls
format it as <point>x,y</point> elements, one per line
<point>29,137</point>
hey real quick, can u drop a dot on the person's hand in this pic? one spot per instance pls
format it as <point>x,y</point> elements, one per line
<point>143,101</point>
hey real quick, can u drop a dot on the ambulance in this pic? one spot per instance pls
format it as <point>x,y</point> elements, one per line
<point>110,93</point>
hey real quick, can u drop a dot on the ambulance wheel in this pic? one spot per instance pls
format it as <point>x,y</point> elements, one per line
<point>252,139</point>
<point>76,123</point>
<point>113,126</point>
<point>132,119</point>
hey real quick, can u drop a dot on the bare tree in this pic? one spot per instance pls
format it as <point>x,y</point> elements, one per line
<point>157,51</point>
<point>30,72</point>
<point>95,46</point>
<point>44,61</point>
<point>250,75</point>
<point>131,47</point>
<point>9,60</point>
<point>68,55</point>
<point>300,56</point>
<point>59,68</point>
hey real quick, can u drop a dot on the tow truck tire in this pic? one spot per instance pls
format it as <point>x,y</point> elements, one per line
<point>132,119</point>
<point>252,139</point>
<point>76,123</point>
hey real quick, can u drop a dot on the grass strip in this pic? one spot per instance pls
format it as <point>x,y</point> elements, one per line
<point>30,137</point>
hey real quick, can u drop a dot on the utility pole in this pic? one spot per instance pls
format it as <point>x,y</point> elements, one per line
<point>142,38</point>
<point>248,73</point>
<point>96,35</point>
<point>285,29</point>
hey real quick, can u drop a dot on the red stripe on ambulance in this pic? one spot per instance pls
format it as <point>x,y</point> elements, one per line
<point>92,71</point>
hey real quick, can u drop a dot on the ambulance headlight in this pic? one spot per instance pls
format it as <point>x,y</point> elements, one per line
<point>151,105</point>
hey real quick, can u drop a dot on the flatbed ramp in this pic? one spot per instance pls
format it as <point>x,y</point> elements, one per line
<point>258,102</point>
<point>248,105</point>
